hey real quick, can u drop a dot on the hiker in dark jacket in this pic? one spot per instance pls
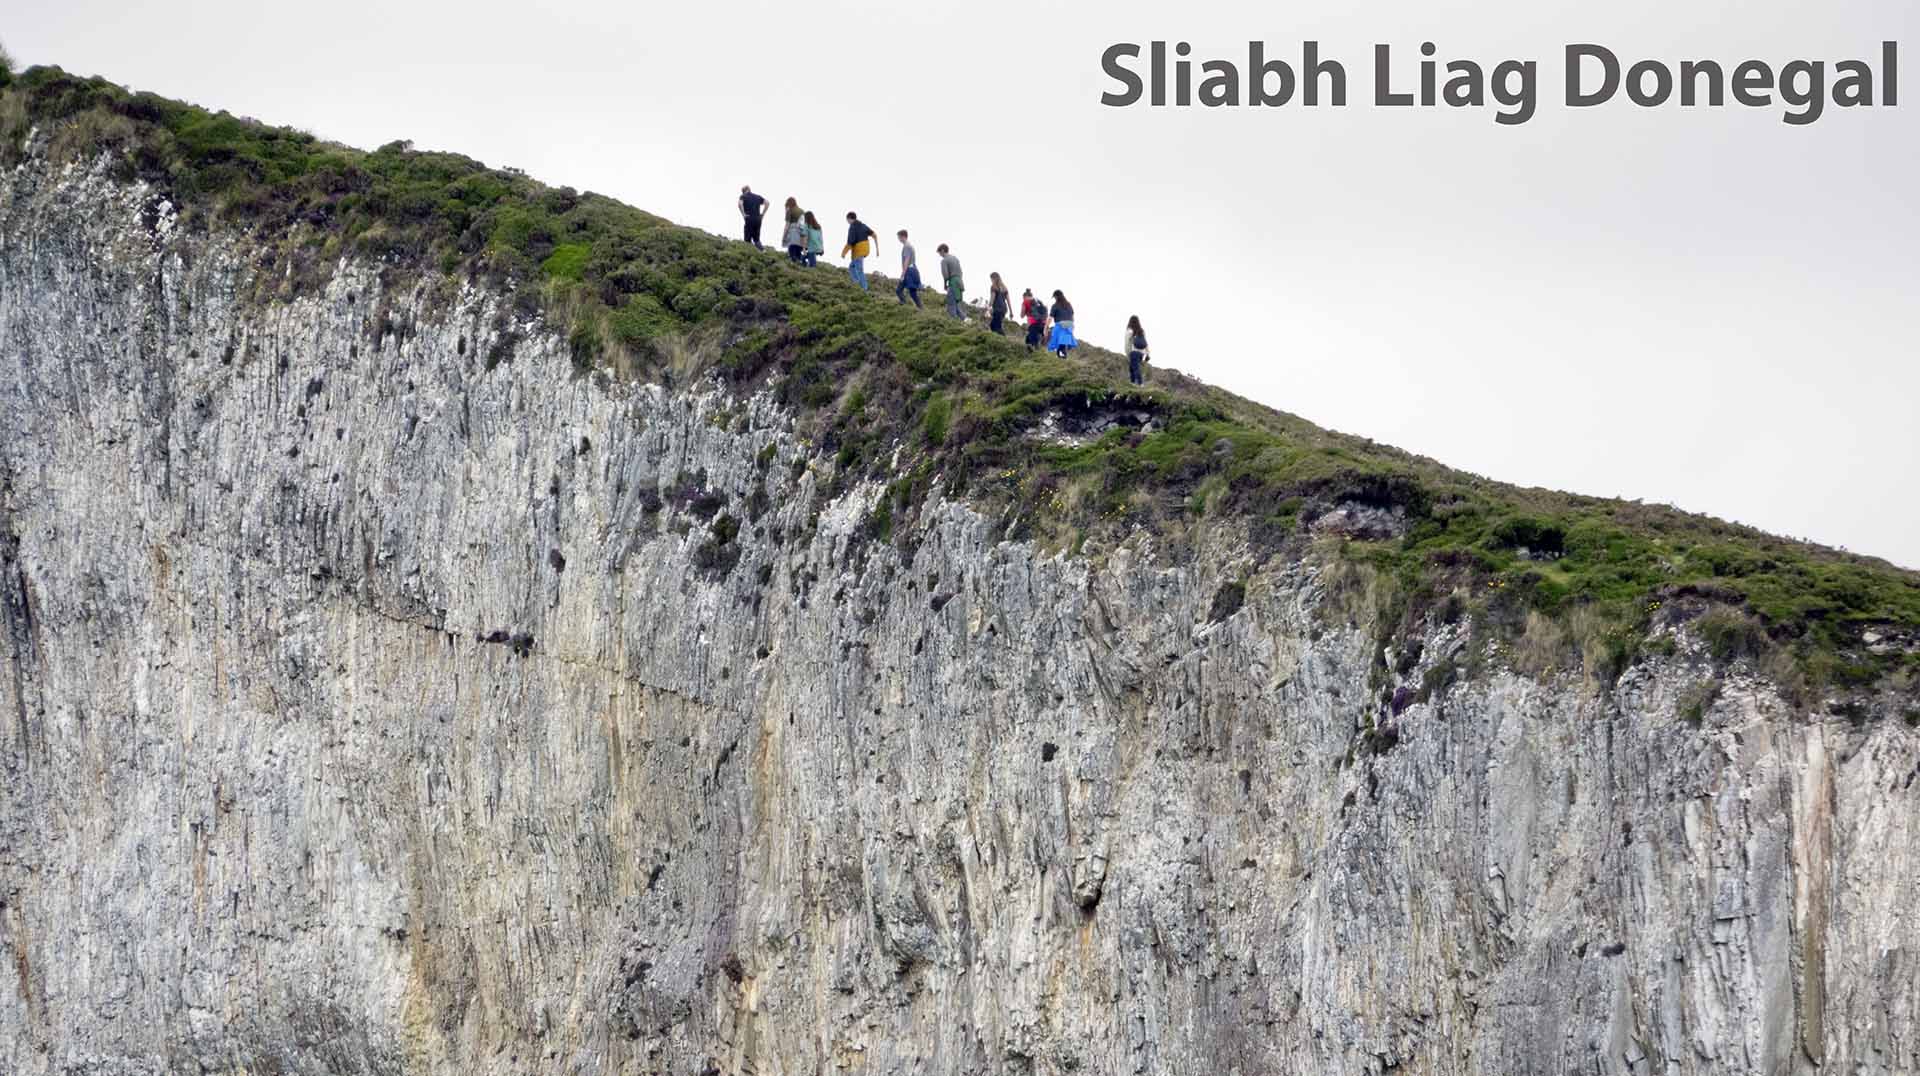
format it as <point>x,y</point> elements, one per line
<point>999,301</point>
<point>752,208</point>
<point>859,244</point>
<point>1062,340</point>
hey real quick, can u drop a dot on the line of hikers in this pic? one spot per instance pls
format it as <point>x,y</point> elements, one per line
<point>1048,324</point>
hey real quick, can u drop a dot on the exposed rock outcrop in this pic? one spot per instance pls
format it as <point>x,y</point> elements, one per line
<point>370,705</point>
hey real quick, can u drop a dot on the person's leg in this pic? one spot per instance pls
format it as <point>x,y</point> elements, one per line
<point>900,292</point>
<point>1133,367</point>
<point>793,254</point>
<point>859,270</point>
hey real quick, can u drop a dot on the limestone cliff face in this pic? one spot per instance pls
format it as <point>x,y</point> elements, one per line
<point>390,702</point>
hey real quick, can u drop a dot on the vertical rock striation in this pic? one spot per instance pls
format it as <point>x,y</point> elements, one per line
<point>379,696</point>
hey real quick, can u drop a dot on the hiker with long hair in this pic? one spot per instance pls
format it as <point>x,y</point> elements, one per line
<point>1136,351</point>
<point>999,301</point>
<point>1034,313</point>
<point>816,239</point>
<point>795,239</point>
<point>1062,340</point>
<point>860,245</point>
<point>909,273</point>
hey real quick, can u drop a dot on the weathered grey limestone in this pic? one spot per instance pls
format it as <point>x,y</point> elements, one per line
<point>273,802</point>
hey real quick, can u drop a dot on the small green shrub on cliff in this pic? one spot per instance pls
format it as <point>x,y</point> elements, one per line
<point>939,419</point>
<point>1731,635</point>
<point>1697,700</point>
<point>717,555</point>
<point>567,261</point>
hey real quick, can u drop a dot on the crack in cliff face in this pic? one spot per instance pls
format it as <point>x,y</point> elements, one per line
<point>16,602</point>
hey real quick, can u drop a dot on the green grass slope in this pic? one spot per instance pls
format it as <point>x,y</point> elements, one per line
<point>1061,451</point>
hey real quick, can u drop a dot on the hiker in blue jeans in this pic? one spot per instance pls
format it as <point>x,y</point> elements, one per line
<point>1137,354</point>
<point>909,273</point>
<point>816,243</point>
<point>859,244</point>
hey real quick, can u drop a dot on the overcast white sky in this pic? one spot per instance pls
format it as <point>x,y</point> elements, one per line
<point>1702,307</point>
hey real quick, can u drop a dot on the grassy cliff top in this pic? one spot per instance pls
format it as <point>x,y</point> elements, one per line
<point>1062,451</point>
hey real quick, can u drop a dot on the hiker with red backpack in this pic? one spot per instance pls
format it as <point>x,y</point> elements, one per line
<point>1034,313</point>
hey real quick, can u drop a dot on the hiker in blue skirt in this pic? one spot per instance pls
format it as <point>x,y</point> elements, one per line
<point>1062,340</point>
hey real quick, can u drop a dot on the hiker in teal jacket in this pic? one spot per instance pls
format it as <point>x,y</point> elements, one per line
<point>816,240</point>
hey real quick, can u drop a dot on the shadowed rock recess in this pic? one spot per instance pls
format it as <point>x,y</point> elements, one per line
<point>380,694</point>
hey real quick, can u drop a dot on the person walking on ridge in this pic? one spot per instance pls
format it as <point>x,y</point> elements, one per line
<point>950,274</point>
<point>1034,313</point>
<point>1062,340</point>
<point>795,239</point>
<point>752,208</point>
<point>1000,300</point>
<point>909,273</point>
<point>816,239</point>
<point>859,244</point>
<point>1136,351</point>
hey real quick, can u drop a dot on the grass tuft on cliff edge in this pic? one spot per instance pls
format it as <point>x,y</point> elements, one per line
<point>1064,452</point>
